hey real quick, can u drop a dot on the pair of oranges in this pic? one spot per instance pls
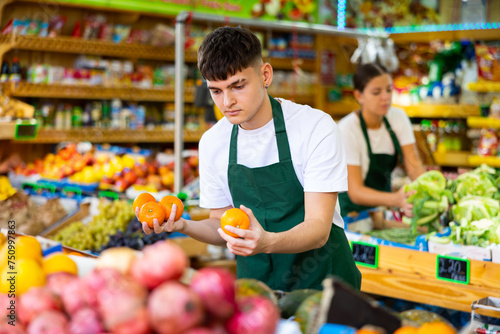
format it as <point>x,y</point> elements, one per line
<point>149,209</point>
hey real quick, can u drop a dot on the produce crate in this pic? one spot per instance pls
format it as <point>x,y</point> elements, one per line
<point>79,215</point>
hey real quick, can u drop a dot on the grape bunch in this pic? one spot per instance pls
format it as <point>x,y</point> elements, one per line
<point>133,237</point>
<point>112,218</point>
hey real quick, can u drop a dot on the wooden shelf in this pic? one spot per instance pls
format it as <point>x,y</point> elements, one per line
<point>485,86</point>
<point>7,130</point>
<point>411,275</point>
<point>483,122</point>
<point>340,109</point>
<point>425,37</point>
<point>441,111</point>
<point>452,159</point>
<point>287,64</point>
<point>100,135</point>
<point>300,99</point>
<point>477,160</point>
<point>23,89</point>
<point>94,47</point>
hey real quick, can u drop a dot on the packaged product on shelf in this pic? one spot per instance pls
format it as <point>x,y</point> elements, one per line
<point>56,23</point>
<point>495,108</point>
<point>76,117</point>
<point>488,62</point>
<point>15,70</point>
<point>5,72</point>
<point>121,33</point>
<point>162,35</point>
<point>488,143</point>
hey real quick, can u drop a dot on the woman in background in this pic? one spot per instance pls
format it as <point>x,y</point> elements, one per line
<point>377,138</point>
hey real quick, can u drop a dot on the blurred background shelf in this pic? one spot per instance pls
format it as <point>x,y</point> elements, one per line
<point>477,160</point>
<point>483,122</point>
<point>415,37</point>
<point>485,86</point>
<point>7,130</point>
<point>452,159</point>
<point>441,111</point>
<point>99,135</point>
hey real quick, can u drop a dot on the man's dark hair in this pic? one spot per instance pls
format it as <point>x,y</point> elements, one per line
<point>365,73</point>
<point>228,50</point>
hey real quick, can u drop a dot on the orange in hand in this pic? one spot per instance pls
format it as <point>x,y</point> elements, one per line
<point>234,217</point>
<point>142,199</point>
<point>167,202</point>
<point>150,211</point>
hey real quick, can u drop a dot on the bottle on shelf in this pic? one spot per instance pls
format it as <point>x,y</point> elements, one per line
<point>77,117</point>
<point>5,72</point>
<point>67,117</point>
<point>38,117</point>
<point>60,117</point>
<point>116,108</point>
<point>140,116</point>
<point>15,70</point>
<point>87,115</point>
<point>106,115</point>
<point>96,114</point>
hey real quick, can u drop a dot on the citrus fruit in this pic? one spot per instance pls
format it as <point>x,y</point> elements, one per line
<point>26,247</point>
<point>234,217</point>
<point>435,327</point>
<point>406,330</point>
<point>167,202</point>
<point>142,199</point>
<point>59,262</point>
<point>149,212</point>
<point>28,273</point>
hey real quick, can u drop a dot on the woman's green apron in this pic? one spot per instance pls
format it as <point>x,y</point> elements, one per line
<point>379,172</point>
<point>276,198</point>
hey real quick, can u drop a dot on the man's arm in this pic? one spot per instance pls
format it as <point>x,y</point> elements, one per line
<point>412,162</point>
<point>312,233</point>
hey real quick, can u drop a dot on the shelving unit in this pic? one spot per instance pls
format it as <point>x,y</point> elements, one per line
<point>483,122</point>
<point>441,111</point>
<point>452,159</point>
<point>477,160</point>
<point>479,34</point>
<point>7,130</point>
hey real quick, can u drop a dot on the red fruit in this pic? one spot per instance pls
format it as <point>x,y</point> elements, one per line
<point>49,322</point>
<point>255,315</point>
<point>85,321</point>
<point>161,262</point>
<point>137,324</point>
<point>101,278</point>
<point>5,328</point>
<point>56,282</point>
<point>77,295</point>
<point>216,288</point>
<point>200,330</point>
<point>174,308</point>
<point>35,301</point>
<point>8,309</point>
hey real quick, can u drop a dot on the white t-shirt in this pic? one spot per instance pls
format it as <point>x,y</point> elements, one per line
<point>380,139</point>
<point>316,148</point>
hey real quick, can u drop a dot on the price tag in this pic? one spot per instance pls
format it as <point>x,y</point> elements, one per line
<point>109,195</point>
<point>71,191</point>
<point>365,254</point>
<point>27,186</point>
<point>453,269</point>
<point>46,189</point>
<point>26,129</point>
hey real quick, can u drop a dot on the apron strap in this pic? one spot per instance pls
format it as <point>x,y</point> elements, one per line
<point>365,133</point>
<point>394,140</point>
<point>280,131</point>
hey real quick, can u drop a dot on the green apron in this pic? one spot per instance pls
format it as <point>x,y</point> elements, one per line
<point>379,172</point>
<point>276,198</point>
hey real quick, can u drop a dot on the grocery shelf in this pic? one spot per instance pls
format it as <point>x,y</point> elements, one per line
<point>411,275</point>
<point>485,86</point>
<point>23,89</point>
<point>477,160</point>
<point>425,37</point>
<point>298,98</point>
<point>340,109</point>
<point>287,64</point>
<point>483,122</point>
<point>65,44</point>
<point>452,159</point>
<point>441,111</point>
<point>7,130</point>
<point>101,135</point>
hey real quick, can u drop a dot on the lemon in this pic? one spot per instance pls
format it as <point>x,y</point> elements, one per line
<point>26,247</point>
<point>18,279</point>
<point>59,262</point>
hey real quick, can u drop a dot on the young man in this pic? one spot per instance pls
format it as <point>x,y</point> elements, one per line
<point>281,162</point>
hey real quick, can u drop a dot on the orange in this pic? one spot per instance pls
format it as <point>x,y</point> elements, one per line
<point>368,330</point>
<point>142,199</point>
<point>167,202</point>
<point>25,247</point>
<point>28,273</point>
<point>234,217</point>
<point>59,262</point>
<point>436,327</point>
<point>150,211</point>
<point>406,330</point>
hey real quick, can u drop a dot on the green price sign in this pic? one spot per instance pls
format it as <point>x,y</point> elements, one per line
<point>71,191</point>
<point>26,129</point>
<point>365,254</point>
<point>46,188</point>
<point>452,269</point>
<point>108,194</point>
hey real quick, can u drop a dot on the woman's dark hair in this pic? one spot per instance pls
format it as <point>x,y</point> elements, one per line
<point>228,50</point>
<point>365,73</point>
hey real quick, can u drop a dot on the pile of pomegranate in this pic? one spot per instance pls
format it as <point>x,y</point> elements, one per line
<point>144,297</point>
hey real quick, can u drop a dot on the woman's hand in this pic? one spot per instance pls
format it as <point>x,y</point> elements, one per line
<point>406,207</point>
<point>168,226</point>
<point>252,241</point>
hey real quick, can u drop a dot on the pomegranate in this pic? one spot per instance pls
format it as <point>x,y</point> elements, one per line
<point>5,328</point>
<point>215,286</point>
<point>85,321</point>
<point>122,305</point>
<point>56,282</point>
<point>255,315</point>
<point>7,308</point>
<point>77,295</point>
<point>200,330</point>
<point>101,278</point>
<point>160,262</point>
<point>35,301</point>
<point>48,322</point>
<point>174,308</point>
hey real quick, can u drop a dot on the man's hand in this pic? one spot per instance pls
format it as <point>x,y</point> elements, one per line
<point>253,241</point>
<point>168,226</point>
<point>406,207</point>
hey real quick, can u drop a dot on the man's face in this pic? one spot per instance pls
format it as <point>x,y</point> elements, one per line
<point>240,97</point>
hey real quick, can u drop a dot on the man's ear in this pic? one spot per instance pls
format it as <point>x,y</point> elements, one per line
<point>267,74</point>
<point>358,96</point>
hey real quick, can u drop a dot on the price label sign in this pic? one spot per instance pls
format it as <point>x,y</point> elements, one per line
<point>26,129</point>
<point>46,189</point>
<point>71,191</point>
<point>29,186</point>
<point>365,254</point>
<point>109,195</point>
<point>452,269</point>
